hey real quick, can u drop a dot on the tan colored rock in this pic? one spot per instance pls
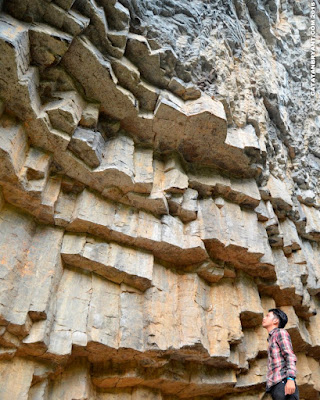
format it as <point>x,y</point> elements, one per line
<point>256,375</point>
<point>211,271</point>
<point>131,324</point>
<point>123,103</point>
<point>231,234</point>
<point>312,227</point>
<point>143,169</point>
<point>175,179</point>
<point>13,149</point>
<point>36,165</point>
<point>75,384</point>
<point>71,312</point>
<point>90,116</point>
<point>280,196</point>
<point>170,255</point>
<point>49,198</point>
<point>300,336</point>
<point>223,319</point>
<point>291,241</point>
<point>161,310</point>
<point>15,239</point>
<point>39,391</point>
<point>114,262</point>
<point>253,343</point>
<point>183,90</point>
<point>117,161</point>
<point>245,138</point>
<point>244,191</point>
<point>88,146</point>
<point>140,53</point>
<point>2,202</point>
<point>251,312</point>
<point>41,272</point>
<point>103,318</point>
<point>16,377</point>
<point>94,215</point>
<point>64,208</point>
<point>193,302</point>
<point>65,114</point>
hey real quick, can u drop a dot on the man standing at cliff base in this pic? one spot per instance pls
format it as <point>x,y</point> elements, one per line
<point>281,375</point>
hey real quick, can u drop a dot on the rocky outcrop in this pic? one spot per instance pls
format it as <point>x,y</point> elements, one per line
<point>157,197</point>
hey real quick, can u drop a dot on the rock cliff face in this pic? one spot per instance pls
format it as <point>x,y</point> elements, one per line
<point>159,192</point>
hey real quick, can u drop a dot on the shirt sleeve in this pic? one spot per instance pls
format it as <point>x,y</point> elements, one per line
<point>285,345</point>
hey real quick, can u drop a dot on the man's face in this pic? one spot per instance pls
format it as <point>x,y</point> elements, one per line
<point>270,320</point>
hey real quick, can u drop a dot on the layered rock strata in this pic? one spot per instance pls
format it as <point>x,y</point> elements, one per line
<point>150,213</point>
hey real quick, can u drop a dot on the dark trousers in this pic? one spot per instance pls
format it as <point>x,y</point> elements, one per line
<point>277,392</point>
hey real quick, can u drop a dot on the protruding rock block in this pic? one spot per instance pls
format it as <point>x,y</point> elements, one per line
<point>300,336</point>
<point>88,145</point>
<point>16,378</point>
<point>48,45</point>
<point>223,319</point>
<point>148,61</point>
<point>64,208</point>
<point>103,318</point>
<point>291,240</point>
<point>14,43</point>
<point>123,102</point>
<point>75,383</point>
<point>15,239</point>
<point>162,318</point>
<point>251,312</point>
<point>129,77</point>
<point>192,319</point>
<point>312,224</point>
<point>173,115</point>
<point>175,179</point>
<point>211,271</point>
<point>244,192</point>
<point>253,343</point>
<point>90,116</point>
<point>118,15</point>
<point>65,114</point>
<point>280,195</point>
<point>131,324</point>
<point>184,205</point>
<point>143,169</point>
<point>243,138</point>
<point>114,262</point>
<point>117,163</point>
<point>185,91</point>
<point>13,149</point>
<point>166,238</point>
<point>256,376</point>
<point>231,234</point>
<point>71,314</point>
<point>37,164</point>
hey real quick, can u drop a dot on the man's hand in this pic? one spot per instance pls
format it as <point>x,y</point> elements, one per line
<point>290,387</point>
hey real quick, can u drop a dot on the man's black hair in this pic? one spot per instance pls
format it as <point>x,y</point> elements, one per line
<point>281,316</point>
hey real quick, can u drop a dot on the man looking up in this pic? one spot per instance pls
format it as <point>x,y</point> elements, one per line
<point>281,373</point>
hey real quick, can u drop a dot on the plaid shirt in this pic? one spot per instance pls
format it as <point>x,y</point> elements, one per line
<point>281,358</point>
